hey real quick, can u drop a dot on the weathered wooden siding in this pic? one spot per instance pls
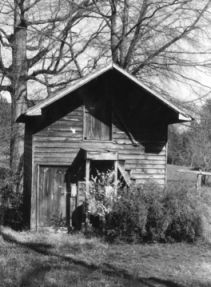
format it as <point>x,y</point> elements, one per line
<point>148,159</point>
<point>55,138</point>
<point>60,142</point>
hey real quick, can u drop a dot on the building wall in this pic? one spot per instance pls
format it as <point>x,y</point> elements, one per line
<point>60,142</point>
<point>56,137</point>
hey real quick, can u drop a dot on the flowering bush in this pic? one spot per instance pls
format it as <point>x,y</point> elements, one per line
<point>101,197</point>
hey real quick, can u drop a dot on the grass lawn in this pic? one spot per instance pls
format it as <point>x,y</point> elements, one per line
<point>55,259</point>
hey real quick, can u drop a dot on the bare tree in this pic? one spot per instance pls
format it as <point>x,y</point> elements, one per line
<point>36,43</point>
<point>55,42</point>
<point>156,39</point>
<point>190,144</point>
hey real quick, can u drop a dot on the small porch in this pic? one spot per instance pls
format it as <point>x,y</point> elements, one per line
<point>82,174</point>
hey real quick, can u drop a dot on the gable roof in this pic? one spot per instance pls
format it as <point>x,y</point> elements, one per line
<point>37,109</point>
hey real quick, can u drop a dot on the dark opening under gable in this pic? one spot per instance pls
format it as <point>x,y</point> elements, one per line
<point>97,118</point>
<point>125,90</point>
<point>137,107</point>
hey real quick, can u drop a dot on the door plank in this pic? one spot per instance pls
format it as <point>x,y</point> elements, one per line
<point>52,194</point>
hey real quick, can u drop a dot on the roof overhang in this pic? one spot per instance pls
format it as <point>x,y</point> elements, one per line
<point>184,118</point>
<point>37,109</point>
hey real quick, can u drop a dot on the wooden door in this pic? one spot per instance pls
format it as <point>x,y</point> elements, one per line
<point>52,194</point>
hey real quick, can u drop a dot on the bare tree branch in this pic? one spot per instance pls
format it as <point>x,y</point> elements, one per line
<point>172,41</point>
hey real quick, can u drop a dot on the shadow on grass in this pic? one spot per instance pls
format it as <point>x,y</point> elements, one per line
<point>82,276</point>
<point>34,276</point>
<point>36,246</point>
<point>38,273</point>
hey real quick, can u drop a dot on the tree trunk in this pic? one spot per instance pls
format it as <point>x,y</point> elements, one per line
<point>19,71</point>
<point>114,32</point>
<point>123,46</point>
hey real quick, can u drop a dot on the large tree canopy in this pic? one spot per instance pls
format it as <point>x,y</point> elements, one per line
<point>35,45</point>
<point>53,43</point>
<point>155,40</point>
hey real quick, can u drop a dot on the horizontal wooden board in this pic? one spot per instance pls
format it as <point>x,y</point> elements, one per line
<point>145,176</point>
<point>70,142</point>
<point>71,148</point>
<point>148,171</point>
<point>59,126</point>
<point>141,157</point>
<point>101,155</point>
<point>122,141</point>
<point>129,164</point>
<point>62,128</point>
<point>121,157</point>
<point>146,181</point>
<point>74,147</point>
<point>52,163</point>
<point>131,158</point>
<point>55,138</point>
<point>71,130</point>
<point>146,165</point>
<point>73,135</point>
<point>55,158</point>
<point>152,143</point>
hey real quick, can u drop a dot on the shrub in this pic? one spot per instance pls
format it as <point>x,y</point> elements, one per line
<point>150,214</point>
<point>127,219</point>
<point>58,221</point>
<point>183,208</point>
<point>11,205</point>
<point>4,174</point>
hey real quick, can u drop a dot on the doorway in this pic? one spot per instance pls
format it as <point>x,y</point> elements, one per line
<point>51,199</point>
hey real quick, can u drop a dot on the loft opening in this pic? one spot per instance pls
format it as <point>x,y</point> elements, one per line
<point>97,119</point>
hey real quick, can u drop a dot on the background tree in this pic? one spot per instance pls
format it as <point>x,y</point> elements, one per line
<point>192,146</point>
<point>36,43</point>
<point>179,146</point>
<point>155,39</point>
<point>5,112</point>
<point>56,42</point>
<point>200,139</point>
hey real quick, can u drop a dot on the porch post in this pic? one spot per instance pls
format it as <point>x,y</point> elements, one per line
<point>115,176</point>
<point>87,192</point>
<point>199,182</point>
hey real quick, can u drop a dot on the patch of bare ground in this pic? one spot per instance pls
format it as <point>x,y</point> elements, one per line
<point>56,259</point>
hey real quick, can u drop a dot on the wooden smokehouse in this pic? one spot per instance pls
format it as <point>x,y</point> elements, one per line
<point>107,120</point>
